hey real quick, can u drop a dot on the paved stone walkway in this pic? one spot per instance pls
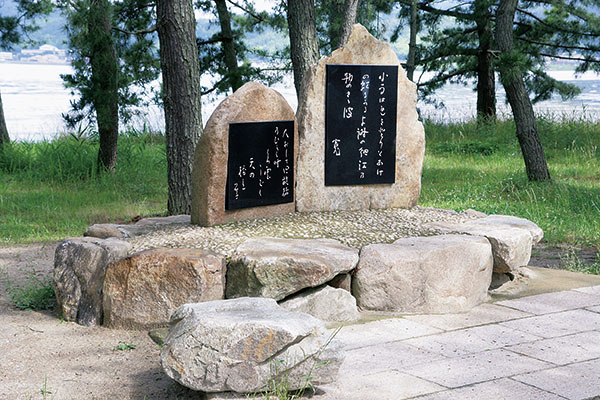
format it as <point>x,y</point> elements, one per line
<point>545,346</point>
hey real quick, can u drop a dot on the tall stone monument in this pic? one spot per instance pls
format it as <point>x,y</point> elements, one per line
<point>245,161</point>
<point>361,145</point>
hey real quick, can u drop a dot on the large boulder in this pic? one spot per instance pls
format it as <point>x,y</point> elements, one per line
<point>511,242</point>
<point>251,102</point>
<point>141,291</point>
<point>537,234</point>
<point>277,268</point>
<point>242,345</point>
<point>79,270</point>
<point>312,194</point>
<point>325,303</point>
<point>438,274</point>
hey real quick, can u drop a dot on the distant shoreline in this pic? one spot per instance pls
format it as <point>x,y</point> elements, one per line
<point>23,62</point>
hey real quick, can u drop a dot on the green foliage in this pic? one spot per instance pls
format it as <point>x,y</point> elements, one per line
<point>16,27</point>
<point>50,190</point>
<point>35,294</point>
<point>571,261</point>
<point>125,346</point>
<point>137,55</point>
<point>567,208</point>
<point>255,63</point>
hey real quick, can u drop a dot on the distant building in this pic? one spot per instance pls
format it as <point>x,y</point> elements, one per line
<point>6,56</point>
<point>44,54</point>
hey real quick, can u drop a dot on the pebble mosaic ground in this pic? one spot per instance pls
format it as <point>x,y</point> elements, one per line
<point>353,228</point>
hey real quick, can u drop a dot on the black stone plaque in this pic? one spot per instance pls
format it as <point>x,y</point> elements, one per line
<point>260,166</point>
<point>360,124</point>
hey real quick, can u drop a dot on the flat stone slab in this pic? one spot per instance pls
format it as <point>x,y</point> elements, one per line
<point>563,350</point>
<point>485,313</point>
<point>506,388</point>
<point>575,382</point>
<point>537,234</point>
<point>276,268</point>
<point>241,345</point>
<point>383,331</point>
<point>140,228</point>
<point>141,291</point>
<point>593,290</point>
<point>385,385</point>
<point>447,273</point>
<point>552,302</point>
<point>473,340</point>
<point>558,324</point>
<point>475,368</point>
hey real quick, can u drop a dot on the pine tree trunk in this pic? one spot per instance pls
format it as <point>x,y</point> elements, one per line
<point>486,78</point>
<point>348,19</point>
<point>181,95</point>
<point>104,63</point>
<point>304,44</point>
<point>512,80</point>
<point>4,138</point>
<point>412,42</point>
<point>235,79</point>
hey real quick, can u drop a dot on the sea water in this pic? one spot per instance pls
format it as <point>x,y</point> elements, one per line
<point>35,98</point>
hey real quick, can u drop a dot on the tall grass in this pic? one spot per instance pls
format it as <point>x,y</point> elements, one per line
<point>481,166</point>
<point>51,189</point>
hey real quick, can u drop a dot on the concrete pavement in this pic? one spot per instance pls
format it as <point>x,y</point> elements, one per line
<point>545,346</point>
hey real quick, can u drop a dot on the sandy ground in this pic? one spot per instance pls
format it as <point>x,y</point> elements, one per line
<point>81,363</point>
<point>75,361</point>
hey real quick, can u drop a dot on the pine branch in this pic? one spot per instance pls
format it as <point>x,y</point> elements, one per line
<point>594,60</point>
<point>152,29</point>
<point>559,46</point>
<point>246,10</point>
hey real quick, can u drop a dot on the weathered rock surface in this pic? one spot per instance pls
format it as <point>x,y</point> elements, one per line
<point>511,246</point>
<point>141,291</point>
<point>536,232</point>
<point>142,227</point>
<point>252,102</point>
<point>276,268</point>
<point>342,281</point>
<point>312,194</point>
<point>325,303</point>
<point>79,270</point>
<point>240,345</point>
<point>438,274</point>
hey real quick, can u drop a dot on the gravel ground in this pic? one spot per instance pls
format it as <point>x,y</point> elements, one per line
<point>353,228</point>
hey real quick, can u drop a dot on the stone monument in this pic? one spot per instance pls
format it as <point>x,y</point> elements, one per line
<point>353,153</point>
<point>244,165</point>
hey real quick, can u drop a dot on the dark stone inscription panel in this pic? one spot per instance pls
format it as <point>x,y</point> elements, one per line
<point>260,167</point>
<point>360,124</point>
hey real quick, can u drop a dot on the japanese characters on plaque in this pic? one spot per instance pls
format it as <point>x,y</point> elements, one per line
<point>260,166</point>
<point>360,124</point>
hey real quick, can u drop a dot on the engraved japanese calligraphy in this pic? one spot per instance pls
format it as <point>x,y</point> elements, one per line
<point>260,164</point>
<point>360,124</point>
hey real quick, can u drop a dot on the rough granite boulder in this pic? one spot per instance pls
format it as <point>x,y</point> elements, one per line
<point>141,291</point>
<point>311,192</point>
<point>537,234</point>
<point>251,102</point>
<point>79,270</point>
<point>511,245</point>
<point>277,268</point>
<point>437,274</point>
<point>325,303</point>
<point>240,345</point>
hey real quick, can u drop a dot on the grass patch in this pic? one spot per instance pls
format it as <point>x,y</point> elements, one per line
<point>567,208</point>
<point>51,190</point>
<point>35,294</point>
